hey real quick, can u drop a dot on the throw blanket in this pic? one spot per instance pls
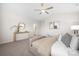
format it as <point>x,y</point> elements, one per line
<point>44,45</point>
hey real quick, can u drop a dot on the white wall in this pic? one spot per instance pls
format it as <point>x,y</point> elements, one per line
<point>12,14</point>
<point>65,20</point>
<point>0,24</point>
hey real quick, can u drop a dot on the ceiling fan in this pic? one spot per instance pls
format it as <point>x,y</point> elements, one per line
<point>44,9</point>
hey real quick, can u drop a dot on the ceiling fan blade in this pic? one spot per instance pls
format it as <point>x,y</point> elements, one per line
<point>40,12</point>
<point>48,8</point>
<point>46,12</point>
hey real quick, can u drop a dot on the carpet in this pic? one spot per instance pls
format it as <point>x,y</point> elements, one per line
<point>18,48</point>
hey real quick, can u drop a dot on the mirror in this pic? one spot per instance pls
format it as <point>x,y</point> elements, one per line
<point>21,27</point>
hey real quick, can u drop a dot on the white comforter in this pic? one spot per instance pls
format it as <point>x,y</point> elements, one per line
<point>59,49</point>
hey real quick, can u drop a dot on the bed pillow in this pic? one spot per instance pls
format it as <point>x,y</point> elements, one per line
<point>74,42</point>
<point>59,38</point>
<point>72,52</point>
<point>66,39</point>
<point>59,49</point>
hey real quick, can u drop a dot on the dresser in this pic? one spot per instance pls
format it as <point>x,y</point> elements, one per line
<point>20,35</point>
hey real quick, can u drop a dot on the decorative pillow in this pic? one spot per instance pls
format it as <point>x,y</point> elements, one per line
<point>74,42</point>
<point>66,39</point>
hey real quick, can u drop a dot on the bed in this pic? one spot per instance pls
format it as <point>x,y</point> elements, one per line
<point>41,45</point>
<point>60,49</point>
<point>51,46</point>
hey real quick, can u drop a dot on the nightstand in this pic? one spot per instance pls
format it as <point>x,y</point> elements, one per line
<point>20,35</point>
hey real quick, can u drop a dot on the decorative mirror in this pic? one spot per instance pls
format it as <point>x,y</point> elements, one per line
<point>21,27</point>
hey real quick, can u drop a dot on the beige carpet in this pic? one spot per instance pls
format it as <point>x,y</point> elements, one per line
<point>19,48</point>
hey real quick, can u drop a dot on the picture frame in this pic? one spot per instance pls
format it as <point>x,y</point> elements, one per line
<point>53,25</point>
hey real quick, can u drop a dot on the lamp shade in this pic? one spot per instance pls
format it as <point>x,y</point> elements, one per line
<point>75,27</point>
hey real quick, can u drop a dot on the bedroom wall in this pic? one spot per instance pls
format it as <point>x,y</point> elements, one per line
<point>65,20</point>
<point>12,14</point>
<point>0,24</point>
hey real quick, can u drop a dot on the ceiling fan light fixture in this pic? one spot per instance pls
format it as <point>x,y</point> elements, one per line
<point>43,11</point>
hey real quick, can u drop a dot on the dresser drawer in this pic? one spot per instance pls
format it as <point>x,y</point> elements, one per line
<point>21,36</point>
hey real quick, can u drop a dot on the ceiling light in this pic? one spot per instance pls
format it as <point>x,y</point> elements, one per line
<point>43,11</point>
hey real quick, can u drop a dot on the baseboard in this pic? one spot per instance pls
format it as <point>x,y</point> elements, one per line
<point>4,42</point>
